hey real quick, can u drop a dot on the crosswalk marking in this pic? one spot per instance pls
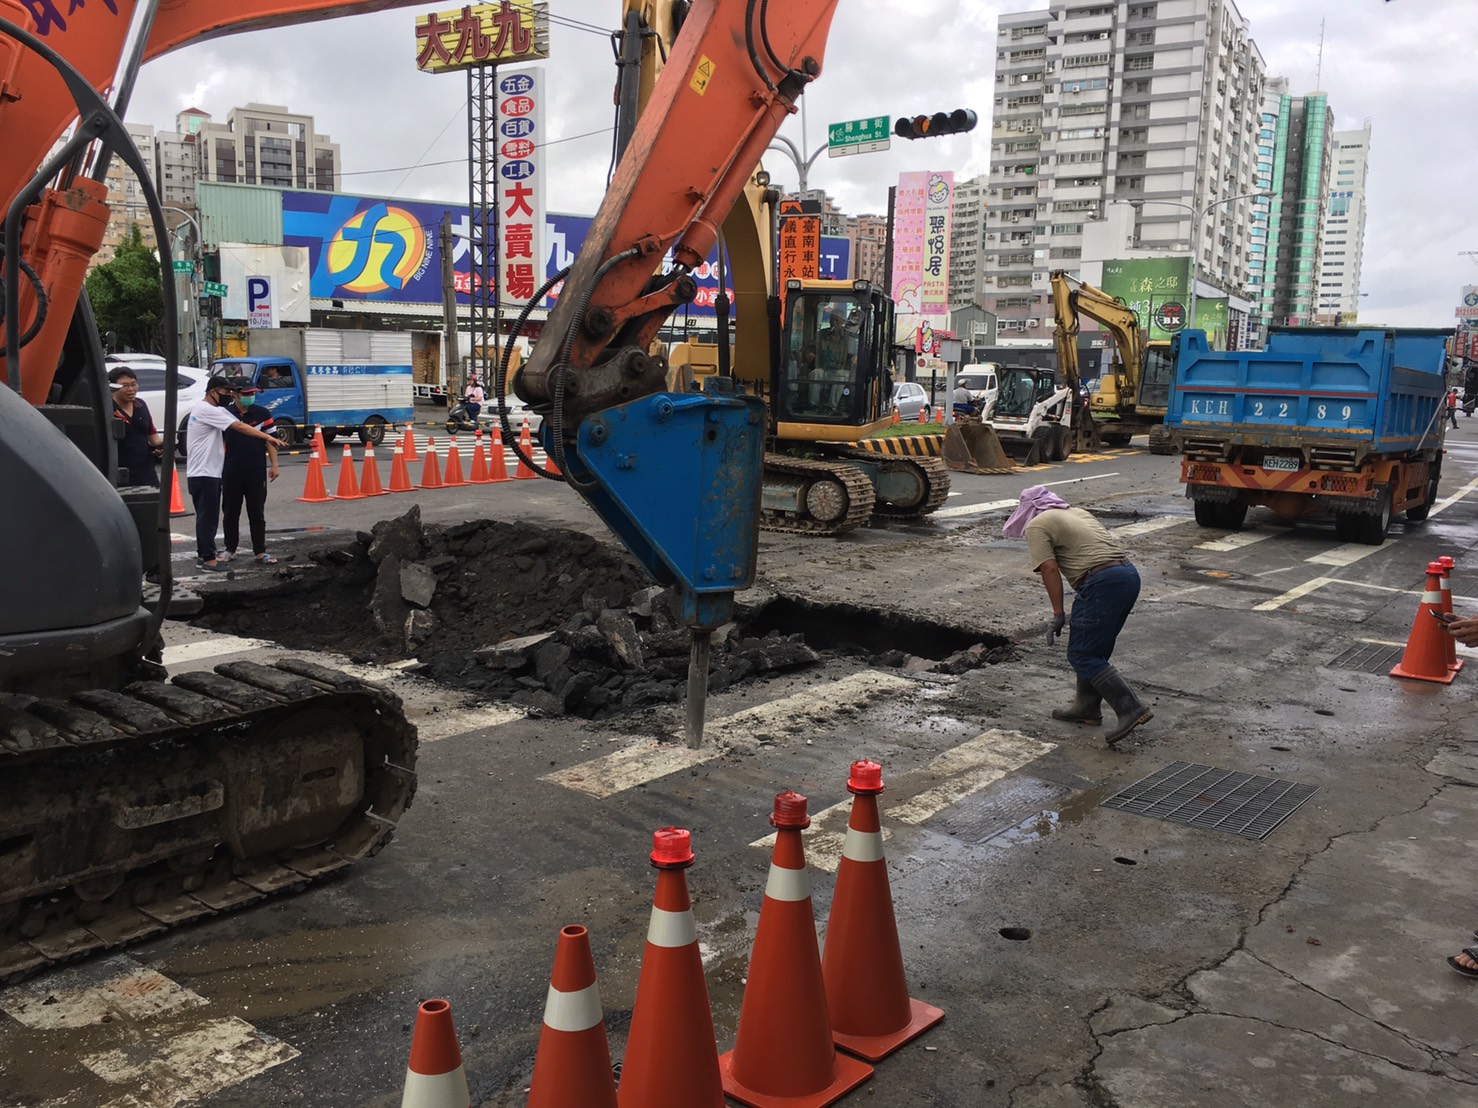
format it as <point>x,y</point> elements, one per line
<point>647,760</point>
<point>967,769</point>
<point>1236,540</point>
<point>1159,523</point>
<point>217,646</point>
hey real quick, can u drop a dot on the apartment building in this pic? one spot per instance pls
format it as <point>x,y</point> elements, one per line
<point>126,198</point>
<point>178,161</point>
<point>869,235</point>
<point>1144,101</point>
<point>1344,229</point>
<point>265,144</point>
<point>967,238</point>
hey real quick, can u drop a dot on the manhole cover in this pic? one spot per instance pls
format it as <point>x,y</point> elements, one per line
<point>1369,657</point>
<point>1215,799</point>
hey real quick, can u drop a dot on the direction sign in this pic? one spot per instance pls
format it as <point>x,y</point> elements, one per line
<point>214,288</point>
<point>859,136</point>
<point>184,266</point>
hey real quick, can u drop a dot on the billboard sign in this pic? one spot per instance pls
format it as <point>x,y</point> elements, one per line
<point>260,283</point>
<point>800,248</point>
<point>521,177</point>
<point>1150,286</point>
<point>482,34</point>
<point>1468,309</point>
<point>259,310</point>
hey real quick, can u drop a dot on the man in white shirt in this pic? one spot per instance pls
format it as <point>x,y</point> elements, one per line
<point>205,460</point>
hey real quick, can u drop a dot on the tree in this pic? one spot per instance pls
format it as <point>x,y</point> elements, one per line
<point>127,297</point>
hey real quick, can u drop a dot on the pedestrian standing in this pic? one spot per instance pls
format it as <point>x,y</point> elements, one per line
<point>250,465</point>
<point>140,437</point>
<point>1452,407</point>
<point>1069,543</point>
<point>205,460</point>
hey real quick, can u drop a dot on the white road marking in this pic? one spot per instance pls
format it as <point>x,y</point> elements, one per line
<point>433,727</point>
<point>1159,523</point>
<point>1445,502</point>
<point>217,646</point>
<point>967,769</point>
<point>998,505</point>
<point>99,992</point>
<point>172,1068</point>
<point>1346,554</point>
<point>648,759</point>
<point>1237,540</point>
<point>1295,593</point>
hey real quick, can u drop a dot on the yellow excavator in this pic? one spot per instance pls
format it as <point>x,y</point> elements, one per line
<point>1131,399</point>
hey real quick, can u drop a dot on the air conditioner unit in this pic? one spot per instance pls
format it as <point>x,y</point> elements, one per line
<point>1033,323</point>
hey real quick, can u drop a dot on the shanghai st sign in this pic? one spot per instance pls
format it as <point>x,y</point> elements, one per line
<point>483,34</point>
<point>858,136</point>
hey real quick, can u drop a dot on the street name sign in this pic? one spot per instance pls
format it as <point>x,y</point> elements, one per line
<point>858,136</point>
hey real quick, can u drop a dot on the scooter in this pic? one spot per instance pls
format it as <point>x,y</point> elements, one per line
<point>460,422</point>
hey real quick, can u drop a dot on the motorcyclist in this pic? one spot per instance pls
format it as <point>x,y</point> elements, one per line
<point>472,400</point>
<point>963,403</point>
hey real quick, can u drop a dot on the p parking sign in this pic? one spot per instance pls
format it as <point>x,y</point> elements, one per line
<point>261,312</point>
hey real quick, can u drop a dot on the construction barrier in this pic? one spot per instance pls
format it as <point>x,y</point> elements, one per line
<point>434,1077</point>
<point>1425,657</point>
<point>866,990</point>
<point>573,1065</point>
<point>670,1057</point>
<point>783,1051</point>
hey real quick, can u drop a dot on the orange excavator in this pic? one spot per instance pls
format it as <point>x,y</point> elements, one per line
<point>130,803</point>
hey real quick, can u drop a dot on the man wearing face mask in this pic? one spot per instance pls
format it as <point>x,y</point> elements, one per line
<point>205,461</point>
<point>249,466</point>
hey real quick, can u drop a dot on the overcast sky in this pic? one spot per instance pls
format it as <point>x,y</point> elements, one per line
<point>1404,64</point>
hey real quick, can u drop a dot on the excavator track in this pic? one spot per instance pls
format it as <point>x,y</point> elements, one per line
<point>931,473</point>
<point>842,492</point>
<point>124,814</point>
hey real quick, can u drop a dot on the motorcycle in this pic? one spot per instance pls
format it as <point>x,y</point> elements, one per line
<point>459,420</point>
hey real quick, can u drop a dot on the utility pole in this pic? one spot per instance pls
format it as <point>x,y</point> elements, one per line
<point>453,373</point>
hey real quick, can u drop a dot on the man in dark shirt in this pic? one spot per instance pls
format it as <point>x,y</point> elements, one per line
<point>249,466</point>
<point>140,437</point>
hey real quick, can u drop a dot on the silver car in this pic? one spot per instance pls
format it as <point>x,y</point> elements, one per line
<point>911,402</point>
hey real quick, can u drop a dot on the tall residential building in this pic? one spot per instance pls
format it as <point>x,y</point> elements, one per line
<point>1344,229</point>
<point>1300,146</point>
<point>126,198</point>
<point>869,235</point>
<point>265,144</point>
<point>966,241</point>
<point>179,164</point>
<point>1145,101</point>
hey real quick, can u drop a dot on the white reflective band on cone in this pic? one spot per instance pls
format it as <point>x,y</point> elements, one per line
<point>1431,598</point>
<point>788,884</point>
<point>671,928</point>
<point>433,1090</point>
<point>863,846</point>
<point>577,1011</point>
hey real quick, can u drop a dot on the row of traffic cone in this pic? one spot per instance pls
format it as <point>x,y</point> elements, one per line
<point>487,467</point>
<point>1431,653</point>
<point>923,415</point>
<point>798,1007</point>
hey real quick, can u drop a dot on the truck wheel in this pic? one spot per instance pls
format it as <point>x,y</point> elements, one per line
<point>1373,528</point>
<point>373,431</point>
<point>1232,515</point>
<point>286,431</point>
<point>1160,442</point>
<point>1419,514</point>
<point>1346,526</point>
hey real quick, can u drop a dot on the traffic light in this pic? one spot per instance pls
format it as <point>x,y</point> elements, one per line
<point>956,122</point>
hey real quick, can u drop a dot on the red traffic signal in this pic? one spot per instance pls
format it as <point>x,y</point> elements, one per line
<point>940,123</point>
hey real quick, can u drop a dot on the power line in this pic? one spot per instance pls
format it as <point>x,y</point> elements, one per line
<point>463,161</point>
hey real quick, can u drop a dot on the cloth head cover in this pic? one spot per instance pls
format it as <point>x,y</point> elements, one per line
<point>1034,501</point>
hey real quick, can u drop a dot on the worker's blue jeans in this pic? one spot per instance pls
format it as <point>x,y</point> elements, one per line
<point>206,493</point>
<point>1100,610</point>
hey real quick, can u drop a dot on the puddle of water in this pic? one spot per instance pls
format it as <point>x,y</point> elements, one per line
<point>1038,826</point>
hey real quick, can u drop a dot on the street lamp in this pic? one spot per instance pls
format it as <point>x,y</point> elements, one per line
<point>1332,300</point>
<point>1198,215</point>
<point>802,165</point>
<point>194,299</point>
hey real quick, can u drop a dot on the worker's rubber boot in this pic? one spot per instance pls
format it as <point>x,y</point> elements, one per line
<point>1129,711</point>
<point>1086,708</point>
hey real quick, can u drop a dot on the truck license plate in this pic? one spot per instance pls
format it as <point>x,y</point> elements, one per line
<point>1280,462</point>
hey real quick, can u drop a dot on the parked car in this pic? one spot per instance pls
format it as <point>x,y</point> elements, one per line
<point>910,401</point>
<point>983,385</point>
<point>149,369</point>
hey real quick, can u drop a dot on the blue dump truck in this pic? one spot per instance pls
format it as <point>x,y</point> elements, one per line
<point>1324,420</point>
<point>346,382</point>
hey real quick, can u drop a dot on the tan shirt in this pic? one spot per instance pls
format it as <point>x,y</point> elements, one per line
<point>1074,539</point>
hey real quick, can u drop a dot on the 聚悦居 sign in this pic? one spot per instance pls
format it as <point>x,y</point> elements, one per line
<point>521,173</point>
<point>482,34</point>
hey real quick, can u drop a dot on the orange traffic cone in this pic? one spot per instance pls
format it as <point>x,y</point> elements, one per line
<point>670,1057</point>
<point>939,414</point>
<point>348,484</point>
<point>497,463</point>
<point>319,447</point>
<point>1425,658</point>
<point>1454,663</point>
<point>434,1078</point>
<point>313,488</point>
<point>400,477</point>
<point>573,1066</point>
<point>896,417</point>
<point>431,472</point>
<point>408,445</point>
<point>550,466</point>
<point>923,415</point>
<point>866,991</point>
<point>369,479</point>
<point>783,1052</point>
<point>526,446</point>
<point>479,472</point>
<point>176,502</point>
<point>452,475</point>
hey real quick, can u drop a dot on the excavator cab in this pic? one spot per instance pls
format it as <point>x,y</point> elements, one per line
<point>833,381</point>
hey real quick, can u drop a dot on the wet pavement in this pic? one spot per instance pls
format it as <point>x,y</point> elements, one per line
<point>1083,955</point>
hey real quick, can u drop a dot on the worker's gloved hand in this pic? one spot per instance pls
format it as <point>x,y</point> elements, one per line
<point>1055,628</point>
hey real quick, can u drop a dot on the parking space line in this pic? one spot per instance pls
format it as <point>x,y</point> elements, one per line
<point>649,759</point>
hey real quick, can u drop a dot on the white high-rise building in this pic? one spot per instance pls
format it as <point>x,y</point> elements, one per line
<point>1344,228</point>
<point>265,144</point>
<point>967,234</point>
<point>1153,102</point>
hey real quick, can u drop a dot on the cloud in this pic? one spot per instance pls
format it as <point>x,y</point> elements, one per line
<point>1404,64</point>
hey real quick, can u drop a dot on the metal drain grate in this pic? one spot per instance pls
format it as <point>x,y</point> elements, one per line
<point>1215,799</point>
<point>1369,657</point>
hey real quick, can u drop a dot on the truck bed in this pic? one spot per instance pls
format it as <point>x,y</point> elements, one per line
<point>1371,390</point>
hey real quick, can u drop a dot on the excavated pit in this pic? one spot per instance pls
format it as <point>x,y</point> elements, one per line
<point>551,619</point>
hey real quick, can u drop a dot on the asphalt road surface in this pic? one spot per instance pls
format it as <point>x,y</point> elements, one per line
<point>1083,954</point>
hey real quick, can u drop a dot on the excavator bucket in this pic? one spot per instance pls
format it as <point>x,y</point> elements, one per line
<point>974,448</point>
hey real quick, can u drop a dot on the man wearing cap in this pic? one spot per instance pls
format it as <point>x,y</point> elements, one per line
<point>205,461</point>
<point>250,464</point>
<point>1068,542</point>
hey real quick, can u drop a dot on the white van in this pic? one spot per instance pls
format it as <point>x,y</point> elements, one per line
<point>981,380</point>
